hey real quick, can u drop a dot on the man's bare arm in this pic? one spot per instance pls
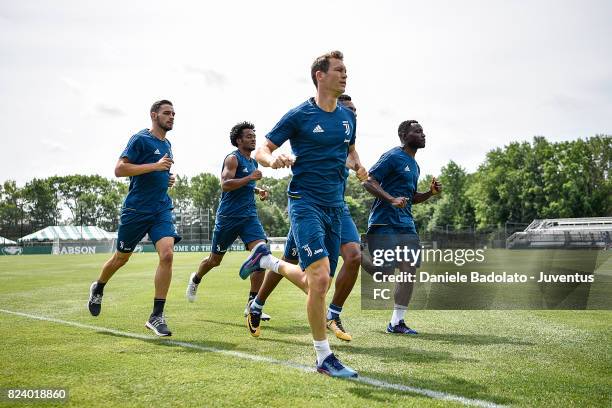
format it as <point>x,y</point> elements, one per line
<point>264,156</point>
<point>124,168</point>
<point>354,163</point>
<point>228,180</point>
<point>434,188</point>
<point>374,188</point>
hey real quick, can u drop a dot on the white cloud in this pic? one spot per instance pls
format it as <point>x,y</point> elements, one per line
<point>476,74</point>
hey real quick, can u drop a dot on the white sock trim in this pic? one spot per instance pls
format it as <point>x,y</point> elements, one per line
<point>399,311</point>
<point>270,262</point>
<point>322,349</point>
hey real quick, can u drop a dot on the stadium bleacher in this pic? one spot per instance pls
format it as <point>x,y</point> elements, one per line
<point>594,232</point>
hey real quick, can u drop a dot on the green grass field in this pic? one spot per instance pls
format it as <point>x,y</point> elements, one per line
<point>517,358</point>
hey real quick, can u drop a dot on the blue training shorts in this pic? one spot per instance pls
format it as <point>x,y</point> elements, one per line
<point>316,232</point>
<point>348,233</point>
<point>384,237</point>
<point>227,229</point>
<point>134,226</point>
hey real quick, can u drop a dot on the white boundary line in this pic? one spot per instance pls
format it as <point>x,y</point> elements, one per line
<point>364,380</point>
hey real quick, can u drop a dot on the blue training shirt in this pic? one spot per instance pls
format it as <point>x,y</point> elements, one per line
<point>239,202</point>
<point>148,193</point>
<point>319,141</point>
<point>397,173</point>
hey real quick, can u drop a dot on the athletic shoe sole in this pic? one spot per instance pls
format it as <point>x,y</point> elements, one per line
<point>154,330</point>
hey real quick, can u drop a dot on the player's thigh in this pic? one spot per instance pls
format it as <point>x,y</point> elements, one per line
<point>350,252</point>
<point>165,249</point>
<point>410,243</point>
<point>318,275</point>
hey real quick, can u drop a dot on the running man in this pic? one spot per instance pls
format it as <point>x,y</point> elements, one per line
<point>321,134</point>
<point>147,209</point>
<point>350,250</point>
<point>237,212</point>
<point>393,181</point>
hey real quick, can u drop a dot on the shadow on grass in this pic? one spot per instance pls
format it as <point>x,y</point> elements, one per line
<point>449,385</point>
<point>175,342</point>
<point>297,329</point>
<point>471,339</point>
<point>394,353</point>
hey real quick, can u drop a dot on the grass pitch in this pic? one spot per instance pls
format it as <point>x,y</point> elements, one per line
<point>518,358</point>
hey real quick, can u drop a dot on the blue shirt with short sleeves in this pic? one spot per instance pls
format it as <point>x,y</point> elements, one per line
<point>319,141</point>
<point>240,202</point>
<point>148,193</point>
<point>397,173</point>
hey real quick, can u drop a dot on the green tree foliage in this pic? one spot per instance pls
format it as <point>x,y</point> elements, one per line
<point>41,203</point>
<point>524,181</point>
<point>274,219</point>
<point>181,193</point>
<point>516,183</point>
<point>12,211</point>
<point>451,208</point>
<point>359,202</point>
<point>205,191</point>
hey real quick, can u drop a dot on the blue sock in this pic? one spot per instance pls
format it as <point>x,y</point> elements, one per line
<point>333,312</point>
<point>257,306</point>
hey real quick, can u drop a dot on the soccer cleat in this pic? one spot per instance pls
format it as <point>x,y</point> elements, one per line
<point>335,325</point>
<point>265,317</point>
<point>158,325</point>
<point>253,324</point>
<point>252,262</point>
<point>192,289</point>
<point>334,368</point>
<point>95,300</point>
<point>400,328</point>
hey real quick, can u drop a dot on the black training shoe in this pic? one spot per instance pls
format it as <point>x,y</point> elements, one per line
<point>158,325</point>
<point>95,300</point>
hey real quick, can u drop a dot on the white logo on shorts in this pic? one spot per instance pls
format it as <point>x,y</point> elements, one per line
<point>318,251</point>
<point>308,250</point>
<point>293,251</point>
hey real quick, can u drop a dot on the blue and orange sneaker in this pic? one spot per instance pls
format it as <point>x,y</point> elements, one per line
<point>334,368</point>
<point>400,328</point>
<point>252,262</point>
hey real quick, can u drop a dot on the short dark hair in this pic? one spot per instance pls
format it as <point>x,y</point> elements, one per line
<point>157,105</point>
<point>344,97</point>
<point>236,131</point>
<point>322,64</point>
<point>405,126</point>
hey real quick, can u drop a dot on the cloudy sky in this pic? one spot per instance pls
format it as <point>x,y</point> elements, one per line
<point>77,77</point>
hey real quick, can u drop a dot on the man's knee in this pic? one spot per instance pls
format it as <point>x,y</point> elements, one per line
<point>166,256</point>
<point>213,260</point>
<point>121,258</point>
<point>351,255</point>
<point>318,277</point>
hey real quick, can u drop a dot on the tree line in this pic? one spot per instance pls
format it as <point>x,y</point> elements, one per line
<point>516,183</point>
